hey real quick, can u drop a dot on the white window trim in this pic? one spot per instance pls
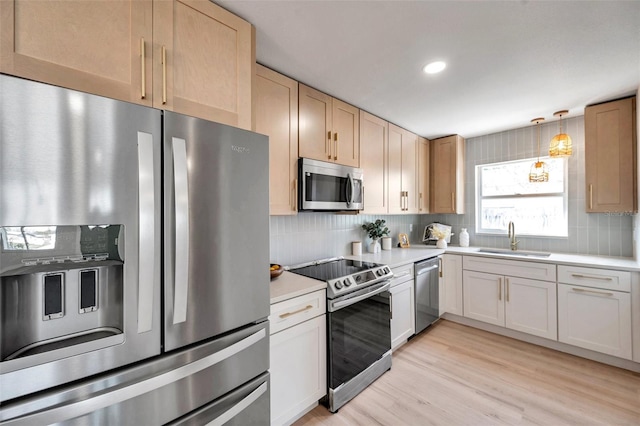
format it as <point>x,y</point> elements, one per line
<point>502,232</point>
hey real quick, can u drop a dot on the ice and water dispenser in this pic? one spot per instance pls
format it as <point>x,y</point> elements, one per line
<point>60,287</point>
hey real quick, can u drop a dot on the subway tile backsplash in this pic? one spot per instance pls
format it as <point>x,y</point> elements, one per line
<point>311,236</point>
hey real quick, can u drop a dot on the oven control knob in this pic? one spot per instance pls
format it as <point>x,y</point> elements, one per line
<point>346,283</point>
<point>338,285</point>
<point>380,272</point>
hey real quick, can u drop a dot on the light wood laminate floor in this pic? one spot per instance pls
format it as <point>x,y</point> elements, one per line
<point>452,374</point>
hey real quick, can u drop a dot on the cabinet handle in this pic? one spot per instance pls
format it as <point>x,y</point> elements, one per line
<point>583,290</point>
<point>288,314</point>
<point>440,266</point>
<point>506,291</point>
<point>420,202</point>
<point>295,195</point>
<point>164,75</point>
<point>453,202</point>
<point>143,89</point>
<point>590,196</point>
<point>500,288</point>
<point>591,277</point>
<point>335,152</point>
<point>328,144</point>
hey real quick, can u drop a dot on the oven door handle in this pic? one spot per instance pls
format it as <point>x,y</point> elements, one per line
<point>334,306</point>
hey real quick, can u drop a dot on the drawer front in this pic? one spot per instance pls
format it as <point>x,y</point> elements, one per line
<point>596,278</point>
<point>402,274</point>
<point>514,268</point>
<point>290,312</point>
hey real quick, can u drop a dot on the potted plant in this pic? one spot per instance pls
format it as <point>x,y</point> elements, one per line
<point>376,230</point>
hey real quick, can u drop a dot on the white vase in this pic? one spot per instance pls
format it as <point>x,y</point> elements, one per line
<point>374,247</point>
<point>441,244</point>
<point>464,237</point>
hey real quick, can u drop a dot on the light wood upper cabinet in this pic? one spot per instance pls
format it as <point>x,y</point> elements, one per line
<point>374,133</point>
<point>204,61</point>
<point>94,47</point>
<point>447,175</point>
<point>329,128</point>
<point>276,112</point>
<point>188,56</point>
<point>403,156</point>
<point>423,175</point>
<point>610,157</point>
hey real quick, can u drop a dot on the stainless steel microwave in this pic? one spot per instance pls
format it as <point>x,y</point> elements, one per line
<point>329,187</point>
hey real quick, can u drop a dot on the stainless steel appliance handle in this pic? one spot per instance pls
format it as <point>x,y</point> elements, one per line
<point>425,270</point>
<point>146,231</point>
<point>85,406</point>
<point>350,189</point>
<point>348,302</point>
<point>181,247</point>
<point>237,409</point>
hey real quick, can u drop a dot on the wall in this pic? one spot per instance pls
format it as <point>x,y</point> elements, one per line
<point>596,234</point>
<point>312,236</point>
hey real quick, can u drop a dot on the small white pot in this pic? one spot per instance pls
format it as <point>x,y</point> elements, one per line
<point>441,244</point>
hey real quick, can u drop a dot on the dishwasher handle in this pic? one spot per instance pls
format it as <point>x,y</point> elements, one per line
<point>425,270</point>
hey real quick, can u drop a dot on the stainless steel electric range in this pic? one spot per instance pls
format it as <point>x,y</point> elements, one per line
<point>358,324</point>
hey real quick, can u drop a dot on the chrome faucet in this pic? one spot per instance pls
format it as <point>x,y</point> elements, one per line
<point>512,236</point>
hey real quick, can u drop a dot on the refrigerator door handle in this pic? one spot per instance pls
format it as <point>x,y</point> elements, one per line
<point>146,229</point>
<point>181,248</point>
<point>79,408</point>
<point>237,409</point>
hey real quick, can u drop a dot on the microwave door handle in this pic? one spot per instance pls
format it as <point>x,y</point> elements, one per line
<point>350,190</point>
<point>181,246</point>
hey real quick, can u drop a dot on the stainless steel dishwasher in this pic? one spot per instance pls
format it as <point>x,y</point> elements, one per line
<point>426,293</point>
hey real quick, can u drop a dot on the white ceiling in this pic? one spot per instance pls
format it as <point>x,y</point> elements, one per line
<point>507,62</point>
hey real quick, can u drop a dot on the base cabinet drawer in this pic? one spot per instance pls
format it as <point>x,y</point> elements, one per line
<point>290,312</point>
<point>596,319</point>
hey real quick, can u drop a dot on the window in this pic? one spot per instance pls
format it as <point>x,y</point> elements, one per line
<point>504,194</point>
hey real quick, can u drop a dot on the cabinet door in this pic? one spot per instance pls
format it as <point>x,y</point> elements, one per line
<point>483,297</point>
<point>346,133</point>
<point>410,171</point>
<point>530,306</point>
<point>447,175</point>
<point>610,159</point>
<point>276,101</point>
<point>595,319</point>
<point>298,369</point>
<point>396,198</point>
<point>403,321</point>
<point>315,124</point>
<point>373,161</point>
<point>94,47</point>
<point>451,279</point>
<point>423,175</point>
<point>204,61</point>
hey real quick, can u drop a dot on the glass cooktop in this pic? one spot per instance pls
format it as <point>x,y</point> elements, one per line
<point>333,269</point>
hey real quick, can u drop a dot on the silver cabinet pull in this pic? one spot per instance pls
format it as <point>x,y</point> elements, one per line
<point>164,75</point>
<point>143,89</point>
<point>592,277</point>
<point>288,314</point>
<point>500,288</point>
<point>506,289</point>
<point>584,290</point>
<point>181,196</point>
<point>146,231</point>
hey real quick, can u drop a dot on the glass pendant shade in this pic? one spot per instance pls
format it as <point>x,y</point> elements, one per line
<point>561,144</point>
<point>539,172</point>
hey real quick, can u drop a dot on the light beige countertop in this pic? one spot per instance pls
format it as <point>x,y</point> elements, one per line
<point>289,285</point>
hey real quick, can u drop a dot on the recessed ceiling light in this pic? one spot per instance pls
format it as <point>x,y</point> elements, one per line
<point>434,67</point>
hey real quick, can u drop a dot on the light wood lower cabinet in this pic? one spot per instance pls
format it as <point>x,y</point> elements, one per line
<point>450,284</point>
<point>188,56</point>
<point>516,303</point>
<point>297,356</point>
<point>276,103</point>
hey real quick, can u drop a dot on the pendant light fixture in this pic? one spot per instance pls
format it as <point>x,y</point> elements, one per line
<point>539,170</point>
<point>561,145</point>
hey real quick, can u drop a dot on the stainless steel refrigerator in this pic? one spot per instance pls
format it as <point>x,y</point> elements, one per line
<point>134,247</point>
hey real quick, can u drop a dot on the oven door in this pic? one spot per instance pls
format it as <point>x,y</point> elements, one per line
<point>359,327</point>
<point>328,186</point>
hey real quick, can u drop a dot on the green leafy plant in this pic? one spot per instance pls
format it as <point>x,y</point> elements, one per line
<point>376,229</point>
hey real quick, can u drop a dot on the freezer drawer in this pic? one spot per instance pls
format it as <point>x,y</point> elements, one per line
<point>158,391</point>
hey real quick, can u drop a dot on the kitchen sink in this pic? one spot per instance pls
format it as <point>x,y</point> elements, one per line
<point>514,252</point>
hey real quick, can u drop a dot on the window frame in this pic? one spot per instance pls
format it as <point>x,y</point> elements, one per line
<point>500,232</point>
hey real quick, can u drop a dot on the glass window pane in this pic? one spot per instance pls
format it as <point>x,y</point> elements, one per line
<point>532,215</point>
<point>512,178</point>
